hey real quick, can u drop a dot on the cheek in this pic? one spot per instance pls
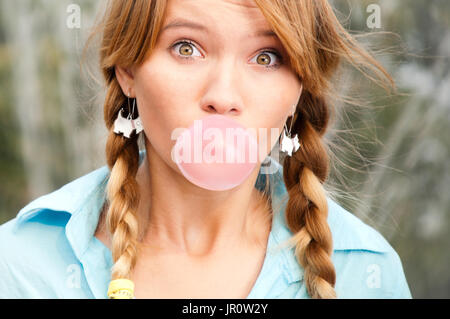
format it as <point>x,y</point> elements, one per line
<point>162,95</point>
<point>273,106</point>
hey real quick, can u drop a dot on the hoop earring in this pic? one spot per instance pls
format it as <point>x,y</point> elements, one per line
<point>289,143</point>
<point>126,126</point>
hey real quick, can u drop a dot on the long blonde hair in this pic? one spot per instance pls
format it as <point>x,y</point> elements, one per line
<point>316,43</point>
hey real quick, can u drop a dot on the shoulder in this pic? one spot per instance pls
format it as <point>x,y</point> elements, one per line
<point>31,256</point>
<point>35,252</point>
<point>367,266</point>
<point>350,232</point>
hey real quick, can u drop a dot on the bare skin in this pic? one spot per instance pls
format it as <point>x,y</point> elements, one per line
<point>198,243</point>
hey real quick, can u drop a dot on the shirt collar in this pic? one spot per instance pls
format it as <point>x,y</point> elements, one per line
<point>70,198</point>
<point>83,198</point>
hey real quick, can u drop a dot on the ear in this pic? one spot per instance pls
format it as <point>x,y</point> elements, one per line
<point>126,80</point>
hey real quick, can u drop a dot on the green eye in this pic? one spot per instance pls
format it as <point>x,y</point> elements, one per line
<point>264,59</point>
<point>185,49</point>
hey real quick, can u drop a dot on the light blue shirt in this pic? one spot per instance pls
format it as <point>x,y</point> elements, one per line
<point>49,249</point>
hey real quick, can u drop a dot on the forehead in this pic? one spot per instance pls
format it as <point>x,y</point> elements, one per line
<point>225,15</point>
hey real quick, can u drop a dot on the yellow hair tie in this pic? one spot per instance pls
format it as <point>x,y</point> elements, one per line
<point>121,289</point>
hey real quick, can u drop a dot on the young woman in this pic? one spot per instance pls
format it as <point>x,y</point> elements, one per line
<point>143,227</point>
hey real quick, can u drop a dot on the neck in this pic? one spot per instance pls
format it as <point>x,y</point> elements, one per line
<point>184,218</point>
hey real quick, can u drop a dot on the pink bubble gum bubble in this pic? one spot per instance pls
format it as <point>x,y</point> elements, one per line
<point>217,153</point>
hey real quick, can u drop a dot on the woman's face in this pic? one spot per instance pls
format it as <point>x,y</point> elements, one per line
<point>212,57</point>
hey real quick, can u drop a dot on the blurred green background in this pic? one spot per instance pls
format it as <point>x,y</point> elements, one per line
<point>52,128</point>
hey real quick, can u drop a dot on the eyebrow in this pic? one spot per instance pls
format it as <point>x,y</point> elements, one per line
<point>182,23</point>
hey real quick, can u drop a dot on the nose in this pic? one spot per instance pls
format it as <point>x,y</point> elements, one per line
<point>221,108</point>
<point>223,91</point>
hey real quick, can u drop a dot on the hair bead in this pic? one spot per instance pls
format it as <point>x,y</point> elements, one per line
<point>121,289</point>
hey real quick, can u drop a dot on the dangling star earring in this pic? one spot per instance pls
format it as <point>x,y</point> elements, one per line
<point>288,143</point>
<point>126,126</point>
